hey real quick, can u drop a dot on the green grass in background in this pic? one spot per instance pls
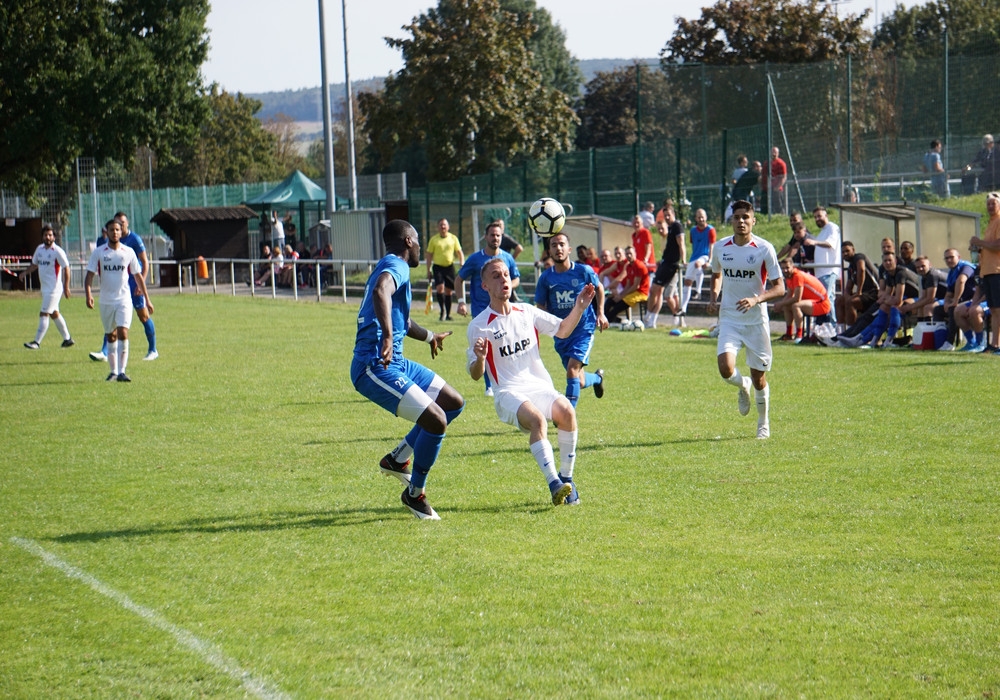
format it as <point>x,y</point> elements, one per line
<point>232,489</point>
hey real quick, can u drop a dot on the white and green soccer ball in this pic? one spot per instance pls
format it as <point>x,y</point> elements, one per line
<point>547,217</point>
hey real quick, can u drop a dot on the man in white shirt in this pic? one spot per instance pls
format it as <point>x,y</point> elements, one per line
<point>826,256</point>
<point>115,263</point>
<point>503,344</point>
<point>53,273</point>
<point>742,265</point>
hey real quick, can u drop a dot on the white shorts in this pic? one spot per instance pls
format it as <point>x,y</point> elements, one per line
<point>508,401</point>
<point>756,337</point>
<point>692,269</point>
<point>116,316</point>
<point>50,300</point>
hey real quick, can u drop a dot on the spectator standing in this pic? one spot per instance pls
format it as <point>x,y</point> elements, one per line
<point>507,242</point>
<point>988,247</point>
<point>277,232</point>
<point>827,254</point>
<point>775,184</point>
<point>934,165</point>
<point>743,189</point>
<point>667,278</point>
<point>53,274</point>
<point>741,167</point>
<point>442,251</point>
<point>648,215</point>
<point>987,162</point>
<point>642,241</point>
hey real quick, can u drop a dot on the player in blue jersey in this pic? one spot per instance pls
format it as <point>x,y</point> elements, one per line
<point>405,388</point>
<point>142,310</point>
<point>556,292</point>
<point>470,273</point>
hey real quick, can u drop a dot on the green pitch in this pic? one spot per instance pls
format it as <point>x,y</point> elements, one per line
<point>219,528</point>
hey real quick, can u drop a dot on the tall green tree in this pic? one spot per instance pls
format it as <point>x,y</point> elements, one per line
<point>558,68</point>
<point>96,78</point>
<point>777,31</point>
<point>231,146</point>
<point>467,95</point>
<point>918,31</point>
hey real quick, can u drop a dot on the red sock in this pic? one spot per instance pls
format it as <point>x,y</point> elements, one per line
<point>788,330</point>
<point>798,333</point>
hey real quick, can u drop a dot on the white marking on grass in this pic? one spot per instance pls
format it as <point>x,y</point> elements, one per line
<point>206,650</point>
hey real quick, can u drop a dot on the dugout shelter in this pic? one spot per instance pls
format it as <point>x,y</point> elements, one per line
<point>932,229</point>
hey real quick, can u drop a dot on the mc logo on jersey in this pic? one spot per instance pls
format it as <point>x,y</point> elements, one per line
<point>518,346</point>
<point>564,299</point>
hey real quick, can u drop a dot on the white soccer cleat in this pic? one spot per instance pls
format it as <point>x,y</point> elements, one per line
<point>763,431</point>
<point>151,356</point>
<point>98,357</point>
<point>744,397</point>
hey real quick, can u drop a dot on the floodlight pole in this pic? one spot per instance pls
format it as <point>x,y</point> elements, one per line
<point>352,175</point>
<point>331,195</point>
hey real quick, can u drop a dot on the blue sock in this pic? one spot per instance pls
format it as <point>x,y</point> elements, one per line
<point>968,335</point>
<point>104,348</point>
<point>411,437</point>
<point>150,333</point>
<point>453,414</point>
<point>573,390</point>
<point>590,379</point>
<point>486,378</point>
<point>876,328</point>
<point>980,337</point>
<point>895,321</point>
<point>425,453</point>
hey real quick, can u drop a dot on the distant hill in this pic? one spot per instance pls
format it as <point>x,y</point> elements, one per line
<point>303,105</point>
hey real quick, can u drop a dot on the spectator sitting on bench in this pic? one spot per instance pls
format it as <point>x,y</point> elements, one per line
<point>634,291</point>
<point>804,296</point>
<point>970,317</point>
<point>961,285</point>
<point>932,283</point>
<point>862,286</point>
<point>900,285</point>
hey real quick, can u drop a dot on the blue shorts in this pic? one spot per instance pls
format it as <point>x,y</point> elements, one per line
<point>138,300</point>
<point>575,347</point>
<point>385,386</point>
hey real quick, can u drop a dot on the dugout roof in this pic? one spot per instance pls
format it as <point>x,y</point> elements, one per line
<point>932,229</point>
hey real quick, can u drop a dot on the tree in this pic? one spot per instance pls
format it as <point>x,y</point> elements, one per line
<point>467,94</point>
<point>549,55</point>
<point>232,146</point>
<point>608,109</point>
<point>97,78</point>
<point>918,31</point>
<point>776,31</point>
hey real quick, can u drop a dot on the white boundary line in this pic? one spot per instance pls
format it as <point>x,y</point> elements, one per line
<point>206,650</point>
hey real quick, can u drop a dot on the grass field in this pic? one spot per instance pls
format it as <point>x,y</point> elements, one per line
<point>218,528</point>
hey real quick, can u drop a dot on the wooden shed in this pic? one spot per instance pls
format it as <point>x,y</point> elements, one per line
<point>211,232</point>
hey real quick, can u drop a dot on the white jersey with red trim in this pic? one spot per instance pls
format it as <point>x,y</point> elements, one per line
<point>115,266</point>
<point>512,357</point>
<point>745,270</point>
<point>51,262</point>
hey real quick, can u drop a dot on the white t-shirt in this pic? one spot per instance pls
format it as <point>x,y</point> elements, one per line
<point>648,219</point>
<point>512,357</point>
<point>114,267</point>
<point>51,262</point>
<point>828,257</point>
<point>745,270</point>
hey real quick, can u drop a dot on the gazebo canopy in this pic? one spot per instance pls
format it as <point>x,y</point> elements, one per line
<point>294,189</point>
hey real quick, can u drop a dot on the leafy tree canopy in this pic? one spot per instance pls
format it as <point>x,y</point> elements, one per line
<point>918,31</point>
<point>758,31</point>
<point>549,55</point>
<point>95,78</point>
<point>467,94</point>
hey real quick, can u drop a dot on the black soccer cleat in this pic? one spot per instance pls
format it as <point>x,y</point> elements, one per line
<point>599,387</point>
<point>68,343</point>
<point>400,470</point>
<point>418,506</point>
<point>123,377</point>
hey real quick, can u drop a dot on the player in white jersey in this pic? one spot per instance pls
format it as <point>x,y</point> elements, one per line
<point>53,273</point>
<point>115,263</point>
<point>745,270</point>
<point>503,343</point>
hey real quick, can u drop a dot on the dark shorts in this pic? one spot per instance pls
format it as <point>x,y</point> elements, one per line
<point>665,272</point>
<point>991,288</point>
<point>444,274</point>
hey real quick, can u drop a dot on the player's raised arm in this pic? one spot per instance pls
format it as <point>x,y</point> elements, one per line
<point>583,300</point>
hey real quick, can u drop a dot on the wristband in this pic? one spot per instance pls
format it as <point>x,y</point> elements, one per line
<point>430,336</point>
<point>461,301</point>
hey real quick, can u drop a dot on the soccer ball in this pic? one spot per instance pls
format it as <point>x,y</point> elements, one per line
<point>638,326</point>
<point>546,217</point>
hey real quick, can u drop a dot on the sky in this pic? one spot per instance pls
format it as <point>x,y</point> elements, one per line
<point>264,46</point>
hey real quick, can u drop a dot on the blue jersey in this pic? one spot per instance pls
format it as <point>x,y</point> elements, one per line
<point>558,292</point>
<point>479,298</point>
<point>702,241</point>
<point>368,342</point>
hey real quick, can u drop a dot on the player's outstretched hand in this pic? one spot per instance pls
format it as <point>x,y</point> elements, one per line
<point>586,296</point>
<point>463,310</point>
<point>479,347</point>
<point>437,344</point>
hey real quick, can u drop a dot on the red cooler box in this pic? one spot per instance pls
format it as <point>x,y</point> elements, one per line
<point>929,336</point>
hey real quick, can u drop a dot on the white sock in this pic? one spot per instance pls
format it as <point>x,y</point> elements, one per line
<point>61,327</point>
<point>113,357</point>
<point>402,452</point>
<point>699,277</point>
<point>122,355</point>
<point>567,453</point>
<point>652,319</point>
<point>736,379</point>
<point>685,298</point>
<point>763,397</point>
<point>542,452</point>
<point>43,325</point>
